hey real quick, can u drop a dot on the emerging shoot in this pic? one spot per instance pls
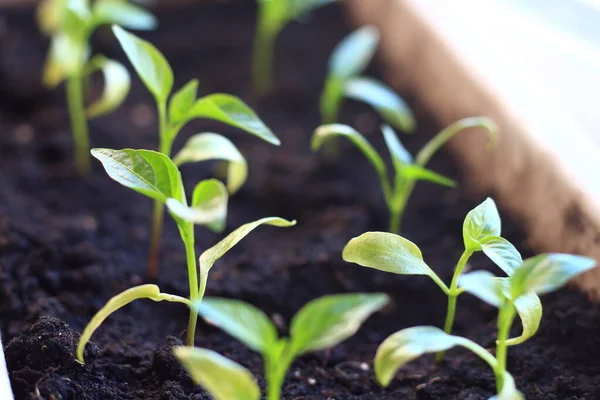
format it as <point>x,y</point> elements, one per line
<point>321,324</point>
<point>153,174</point>
<point>70,24</point>
<point>348,61</point>
<point>175,110</point>
<point>408,171</point>
<point>273,16</point>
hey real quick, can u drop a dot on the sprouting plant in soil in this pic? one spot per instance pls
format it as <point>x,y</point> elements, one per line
<point>320,324</point>
<point>346,64</point>
<point>156,176</point>
<point>184,106</point>
<point>273,16</point>
<point>70,24</point>
<point>408,171</point>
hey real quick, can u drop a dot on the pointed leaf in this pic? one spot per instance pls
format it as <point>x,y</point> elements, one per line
<point>484,285</point>
<point>209,205</point>
<point>233,111</point>
<point>151,66</point>
<point>547,272</point>
<point>151,292</point>
<point>352,55</point>
<point>116,86</point>
<point>210,256</point>
<point>212,146</point>
<point>145,171</point>
<point>502,253</point>
<point>183,101</point>
<point>529,308</point>
<point>329,320</point>
<point>481,222</point>
<point>388,104</point>
<point>241,320</point>
<point>222,378</point>
<point>124,14</point>
<point>400,156</point>
<point>415,172</point>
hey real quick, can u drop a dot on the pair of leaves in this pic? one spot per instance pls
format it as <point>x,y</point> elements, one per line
<point>406,345</point>
<point>320,324</point>
<point>156,73</point>
<point>154,175</point>
<point>348,60</point>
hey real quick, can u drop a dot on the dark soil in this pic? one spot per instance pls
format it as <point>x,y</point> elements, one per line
<point>67,244</point>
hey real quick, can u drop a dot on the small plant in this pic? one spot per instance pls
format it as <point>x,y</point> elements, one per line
<point>184,106</point>
<point>273,16</point>
<point>397,191</point>
<point>513,295</point>
<point>156,176</point>
<point>320,324</point>
<point>348,60</point>
<point>70,24</point>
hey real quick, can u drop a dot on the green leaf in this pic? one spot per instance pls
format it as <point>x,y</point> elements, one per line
<point>209,205</point>
<point>50,15</point>
<point>388,104</point>
<point>484,285</point>
<point>151,66</point>
<point>400,156</point>
<point>210,256</point>
<point>298,8</point>
<point>352,55</point>
<point>145,171</point>
<point>241,320</point>
<point>502,253</point>
<point>529,308</point>
<point>116,86</point>
<point>183,101</point>
<point>123,14</point>
<point>329,320</point>
<point>415,172</point>
<point>547,273</point>
<point>66,57</point>
<point>212,146</point>
<point>151,292</point>
<point>222,378</point>
<point>325,133</point>
<point>481,222</point>
<point>233,111</point>
<point>404,346</point>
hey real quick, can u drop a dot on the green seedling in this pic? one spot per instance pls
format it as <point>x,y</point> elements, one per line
<point>175,111</point>
<point>153,174</point>
<point>320,324</point>
<point>348,61</point>
<point>396,192</point>
<point>514,295</point>
<point>273,16</point>
<point>392,253</point>
<point>70,24</point>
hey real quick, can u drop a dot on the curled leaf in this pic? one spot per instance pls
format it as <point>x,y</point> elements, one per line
<point>212,146</point>
<point>352,55</point>
<point>222,378</point>
<point>209,205</point>
<point>502,253</point>
<point>329,320</point>
<point>387,103</point>
<point>241,320</point>
<point>116,86</point>
<point>529,308</point>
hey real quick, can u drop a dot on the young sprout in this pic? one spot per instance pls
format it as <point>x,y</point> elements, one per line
<point>516,294</point>
<point>153,174</point>
<point>175,111</point>
<point>273,16</point>
<point>397,191</point>
<point>392,253</point>
<point>319,325</point>
<point>70,24</point>
<point>348,60</point>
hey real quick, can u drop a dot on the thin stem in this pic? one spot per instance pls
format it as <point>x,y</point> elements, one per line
<point>276,370</point>
<point>262,58</point>
<point>452,297</point>
<point>505,320</point>
<point>190,253</point>
<point>395,215</point>
<point>79,126</point>
<point>165,144</point>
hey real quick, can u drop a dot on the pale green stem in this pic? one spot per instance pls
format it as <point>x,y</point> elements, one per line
<point>506,317</point>
<point>275,375</point>
<point>453,294</point>
<point>81,141</point>
<point>262,57</point>
<point>190,252</point>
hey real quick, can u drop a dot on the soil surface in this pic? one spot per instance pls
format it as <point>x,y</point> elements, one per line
<point>67,244</point>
